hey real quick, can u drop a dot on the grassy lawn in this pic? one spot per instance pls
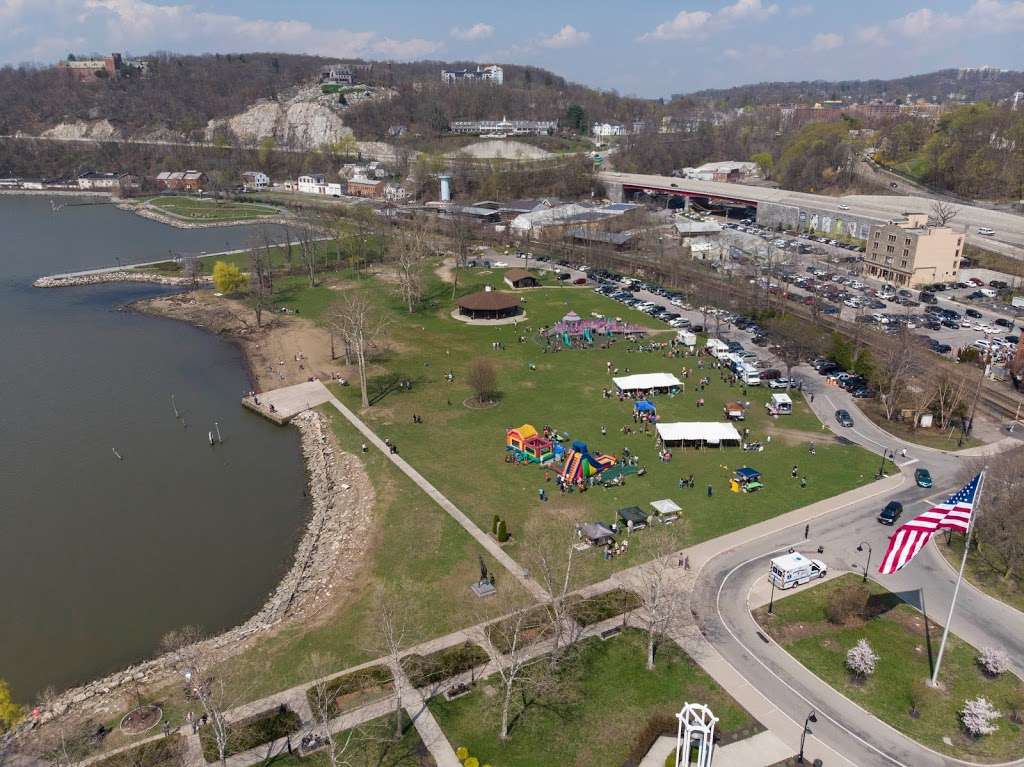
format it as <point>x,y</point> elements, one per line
<point>251,733</point>
<point>986,574</point>
<point>606,694</point>
<point>211,211</point>
<point>165,752</point>
<point>370,745</point>
<point>941,439</point>
<point>896,632</point>
<point>461,450</point>
<point>418,555</point>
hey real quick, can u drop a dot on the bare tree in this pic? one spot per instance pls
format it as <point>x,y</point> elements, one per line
<point>461,234</point>
<point>553,564</point>
<point>309,252</point>
<point>394,625</point>
<point>942,213</point>
<point>322,698</point>
<point>356,320</point>
<point>894,369</point>
<point>482,378</point>
<point>664,598</point>
<point>191,269</point>
<point>950,396</point>
<point>409,259</point>
<point>507,641</point>
<point>999,534</point>
<point>261,284</point>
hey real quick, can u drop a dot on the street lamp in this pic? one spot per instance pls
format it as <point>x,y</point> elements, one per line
<point>860,547</point>
<point>771,601</point>
<point>881,466</point>
<point>811,719</point>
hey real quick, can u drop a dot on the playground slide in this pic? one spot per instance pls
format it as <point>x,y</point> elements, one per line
<point>566,341</point>
<point>572,465</point>
<point>588,336</point>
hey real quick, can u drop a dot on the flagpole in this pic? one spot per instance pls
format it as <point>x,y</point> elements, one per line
<point>960,577</point>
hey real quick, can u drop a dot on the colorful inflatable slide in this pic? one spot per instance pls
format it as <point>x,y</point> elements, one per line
<point>580,464</point>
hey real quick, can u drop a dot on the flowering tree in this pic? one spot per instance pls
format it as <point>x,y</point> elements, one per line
<point>994,661</point>
<point>979,716</point>
<point>861,659</point>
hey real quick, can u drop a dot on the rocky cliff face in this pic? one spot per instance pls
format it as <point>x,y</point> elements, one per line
<point>83,129</point>
<point>306,120</point>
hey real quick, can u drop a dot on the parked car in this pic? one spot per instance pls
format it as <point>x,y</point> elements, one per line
<point>844,419</point>
<point>973,313</point>
<point>1003,322</point>
<point>923,477</point>
<point>891,512</point>
<point>779,383</point>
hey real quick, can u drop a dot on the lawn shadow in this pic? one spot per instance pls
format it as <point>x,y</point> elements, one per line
<point>915,599</point>
<point>879,604</point>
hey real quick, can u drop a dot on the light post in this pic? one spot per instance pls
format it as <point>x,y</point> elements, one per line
<point>881,466</point>
<point>860,547</point>
<point>811,719</point>
<point>771,600</point>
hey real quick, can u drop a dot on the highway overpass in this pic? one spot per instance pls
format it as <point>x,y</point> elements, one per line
<point>799,207</point>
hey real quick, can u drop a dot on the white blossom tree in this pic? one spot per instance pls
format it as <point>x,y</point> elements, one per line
<point>861,659</point>
<point>994,661</point>
<point>979,716</point>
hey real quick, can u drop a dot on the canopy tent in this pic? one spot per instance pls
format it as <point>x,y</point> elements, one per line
<point>647,382</point>
<point>747,474</point>
<point>633,514</point>
<point>644,406</point>
<point>666,506</point>
<point>596,533</point>
<point>711,433</point>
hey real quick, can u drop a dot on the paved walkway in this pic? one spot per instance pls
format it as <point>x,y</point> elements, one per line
<point>758,750</point>
<point>491,546</point>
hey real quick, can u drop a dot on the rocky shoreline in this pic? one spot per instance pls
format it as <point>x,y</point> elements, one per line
<point>119,275</point>
<point>330,551</point>
<point>169,220</point>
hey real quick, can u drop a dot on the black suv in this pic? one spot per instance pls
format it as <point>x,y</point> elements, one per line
<point>891,512</point>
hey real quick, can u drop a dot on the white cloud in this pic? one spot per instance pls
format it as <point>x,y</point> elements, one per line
<point>141,26</point>
<point>567,37</point>
<point>696,24</point>
<point>479,31</point>
<point>871,35</point>
<point>925,22</point>
<point>685,24</point>
<point>747,9</point>
<point>801,10</point>
<point>826,41</point>
<point>939,28</point>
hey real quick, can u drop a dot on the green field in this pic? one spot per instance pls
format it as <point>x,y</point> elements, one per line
<point>207,210</point>
<point>896,632</point>
<point>462,449</point>
<point>602,704</point>
<point>420,556</point>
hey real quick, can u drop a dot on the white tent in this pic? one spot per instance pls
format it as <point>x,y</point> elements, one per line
<point>711,433</point>
<point>647,381</point>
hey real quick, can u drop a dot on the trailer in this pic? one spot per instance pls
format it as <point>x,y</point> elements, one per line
<point>795,570</point>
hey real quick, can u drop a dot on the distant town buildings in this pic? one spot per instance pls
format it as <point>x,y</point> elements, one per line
<point>182,180</point>
<point>491,73</point>
<point>255,179</point>
<point>607,130</point>
<point>729,170</point>
<point>909,253</point>
<point>336,74</point>
<point>370,188</point>
<point>93,180</point>
<point>503,127</point>
<point>571,215</point>
<point>110,67</point>
<point>1018,99</point>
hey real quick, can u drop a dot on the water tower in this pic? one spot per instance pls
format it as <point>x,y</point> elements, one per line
<point>446,187</point>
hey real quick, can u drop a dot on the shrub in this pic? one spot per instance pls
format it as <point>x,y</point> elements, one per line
<point>657,725</point>
<point>846,602</point>
<point>483,379</point>
<point>430,669</point>
<point>462,753</point>
<point>861,659</point>
<point>494,525</point>
<point>994,661</point>
<point>228,278</point>
<point>502,533</point>
<point>595,609</point>
<point>471,762</point>
<point>252,732</point>
<point>978,717</point>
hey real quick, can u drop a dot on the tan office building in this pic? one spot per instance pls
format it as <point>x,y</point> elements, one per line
<point>908,253</point>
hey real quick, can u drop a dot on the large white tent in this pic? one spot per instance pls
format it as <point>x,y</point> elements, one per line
<point>647,382</point>
<point>710,433</point>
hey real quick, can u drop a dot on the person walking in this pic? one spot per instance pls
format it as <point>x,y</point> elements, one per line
<point>710,490</point>
<point>794,472</point>
<point>807,531</point>
<point>803,481</point>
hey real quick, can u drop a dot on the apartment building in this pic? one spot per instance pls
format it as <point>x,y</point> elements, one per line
<point>909,253</point>
<point>491,73</point>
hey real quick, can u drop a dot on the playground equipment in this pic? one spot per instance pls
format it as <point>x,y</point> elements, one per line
<point>527,445</point>
<point>746,479</point>
<point>574,326</point>
<point>581,465</point>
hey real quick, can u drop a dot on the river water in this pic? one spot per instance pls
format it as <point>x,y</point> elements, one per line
<point>99,557</point>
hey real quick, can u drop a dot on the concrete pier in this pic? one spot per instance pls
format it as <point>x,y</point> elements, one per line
<point>281,405</point>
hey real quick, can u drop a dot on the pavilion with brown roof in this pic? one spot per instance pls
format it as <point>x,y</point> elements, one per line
<point>489,305</point>
<point>520,278</point>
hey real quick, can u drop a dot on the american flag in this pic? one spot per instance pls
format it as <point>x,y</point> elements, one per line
<point>954,514</point>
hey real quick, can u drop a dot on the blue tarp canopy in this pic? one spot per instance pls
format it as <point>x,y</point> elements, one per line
<point>747,474</point>
<point>644,406</point>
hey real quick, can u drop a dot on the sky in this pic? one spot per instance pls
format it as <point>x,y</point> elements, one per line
<point>645,47</point>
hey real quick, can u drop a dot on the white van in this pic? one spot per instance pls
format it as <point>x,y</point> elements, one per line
<point>987,292</point>
<point>795,570</point>
<point>749,376</point>
<point>986,231</point>
<point>686,338</point>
